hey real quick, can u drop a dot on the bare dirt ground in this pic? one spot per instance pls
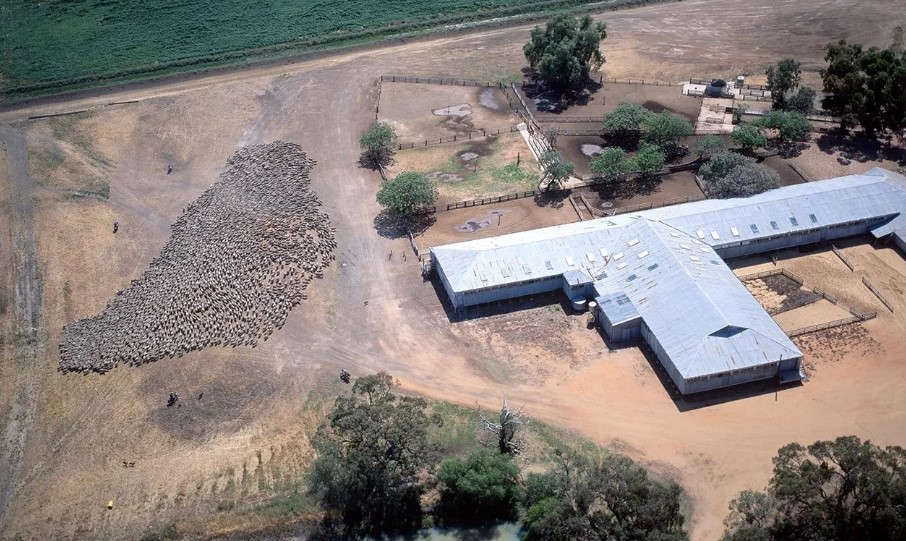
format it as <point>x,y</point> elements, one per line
<point>247,437</point>
<point>417,110</point>
<point>606,99</point>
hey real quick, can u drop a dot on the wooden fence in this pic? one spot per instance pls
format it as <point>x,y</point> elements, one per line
<point>474,134</point>
<point>877,293</point>
<point>570,119</point>
<point>491,200</point>
<point>831,324</point>
<point>843,258</point>
<point>772,272</point>
<point>441,81</point>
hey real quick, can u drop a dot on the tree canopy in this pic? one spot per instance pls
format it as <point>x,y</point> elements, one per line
<point>803,101</point>
<point>610,499</point>
<point>378,143</point>
<point>406,193</point>
<point>830,490</point>
<point>480,489</point>
<point>370,452</point>
<point>566,51</point>
<point>708,146</point>
<point>556,169</point>
<point>721,164</point>
<point>611,164</point>
<point>749,137</point>
<point>743,181</point>
<point>782,79</point>
<point>649,160</point>
<point>865,87</point>
<point>664,130</point>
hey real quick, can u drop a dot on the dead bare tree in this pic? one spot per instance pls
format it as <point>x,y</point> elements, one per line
<point>505,428</point>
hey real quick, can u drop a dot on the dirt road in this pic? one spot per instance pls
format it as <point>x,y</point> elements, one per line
<point>26,344</point>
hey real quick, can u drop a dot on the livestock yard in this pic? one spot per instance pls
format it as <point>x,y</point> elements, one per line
<point>248,266</point>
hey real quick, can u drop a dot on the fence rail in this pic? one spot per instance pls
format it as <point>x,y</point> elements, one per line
<point>843,258</point>
<point>474,134</point>
<point>877,293</point>
<point>570,120</point>
<point>772,272</point>
<point>491,200</point>
<point>831,324</point>
<point>441,81</point>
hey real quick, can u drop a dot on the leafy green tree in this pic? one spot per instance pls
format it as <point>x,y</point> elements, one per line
<point>721,164</point>
<point>371,450</point>
<point>749,137</point>
<point>649,161</point>
<point>556,169</point>
<point>782,79</point>
<point>613,499</point>
<point>831,490</point>
<point>664,130</point>
<point>624,123</point>
<point>789,126</point>
<point>708,146</point>
<point>743,181</point>
<point>611,164</point>
<point>566,51</point>
<point>406,193</point>
<point>378,143</point>
<point>803,101</point>
<point>480,489</point>
<point>865,87</point>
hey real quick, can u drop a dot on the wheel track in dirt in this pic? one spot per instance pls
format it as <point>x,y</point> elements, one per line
<point>27,308</point>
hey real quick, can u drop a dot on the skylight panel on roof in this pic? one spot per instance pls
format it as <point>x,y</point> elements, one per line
<point>793,220</point>
<point>526,269</point>
<point>643,253</point>
<point>482,276</point>
<point>684,246</point>
<point>652,266</point>
<point>696,241</point>
<point>813,218</point>
<point>674,234</point>
<point>633,242</point>
<point>775,226</point>
<point>618,256</point>
<point>569,261</point>
<point>700,233</point>
<point>505,272</point>
<point>604,252</point>
<point>591,257</point>
<point>549,265</point>
<point>754,228</point>
<point>734,231</point>
<point>694,258</point>
<point>631,277</point>
<point>715,235</point>
<point>622,266</point>
<point>703,249</point>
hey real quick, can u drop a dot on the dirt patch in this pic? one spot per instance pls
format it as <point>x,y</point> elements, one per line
<point>788,175</point>
<point>421,111</point>
<point>471,226</point>
<point>606,99</point>
<point>463,109</point>
<point>440,176</point>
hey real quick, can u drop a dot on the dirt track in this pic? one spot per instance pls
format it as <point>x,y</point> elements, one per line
<point>187,458</point>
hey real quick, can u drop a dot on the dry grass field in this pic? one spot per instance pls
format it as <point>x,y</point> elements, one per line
<point>246,439</point>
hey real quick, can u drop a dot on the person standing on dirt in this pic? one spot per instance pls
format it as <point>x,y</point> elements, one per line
<point>116,226</point>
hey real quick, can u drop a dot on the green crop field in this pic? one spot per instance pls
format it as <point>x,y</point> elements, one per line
<point>54,45</point>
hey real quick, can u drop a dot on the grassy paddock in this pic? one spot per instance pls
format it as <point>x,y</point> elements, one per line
<point>53,46</point>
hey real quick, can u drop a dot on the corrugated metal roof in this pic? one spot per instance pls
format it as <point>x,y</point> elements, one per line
<point>675,273</point>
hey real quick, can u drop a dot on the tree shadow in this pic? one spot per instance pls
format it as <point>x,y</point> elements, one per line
<point>626,189</point>
<point>551,198</point>
<point>859,147</point>
<point>555,102</point>
<point>373,161</point>
<point>394,226</point>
